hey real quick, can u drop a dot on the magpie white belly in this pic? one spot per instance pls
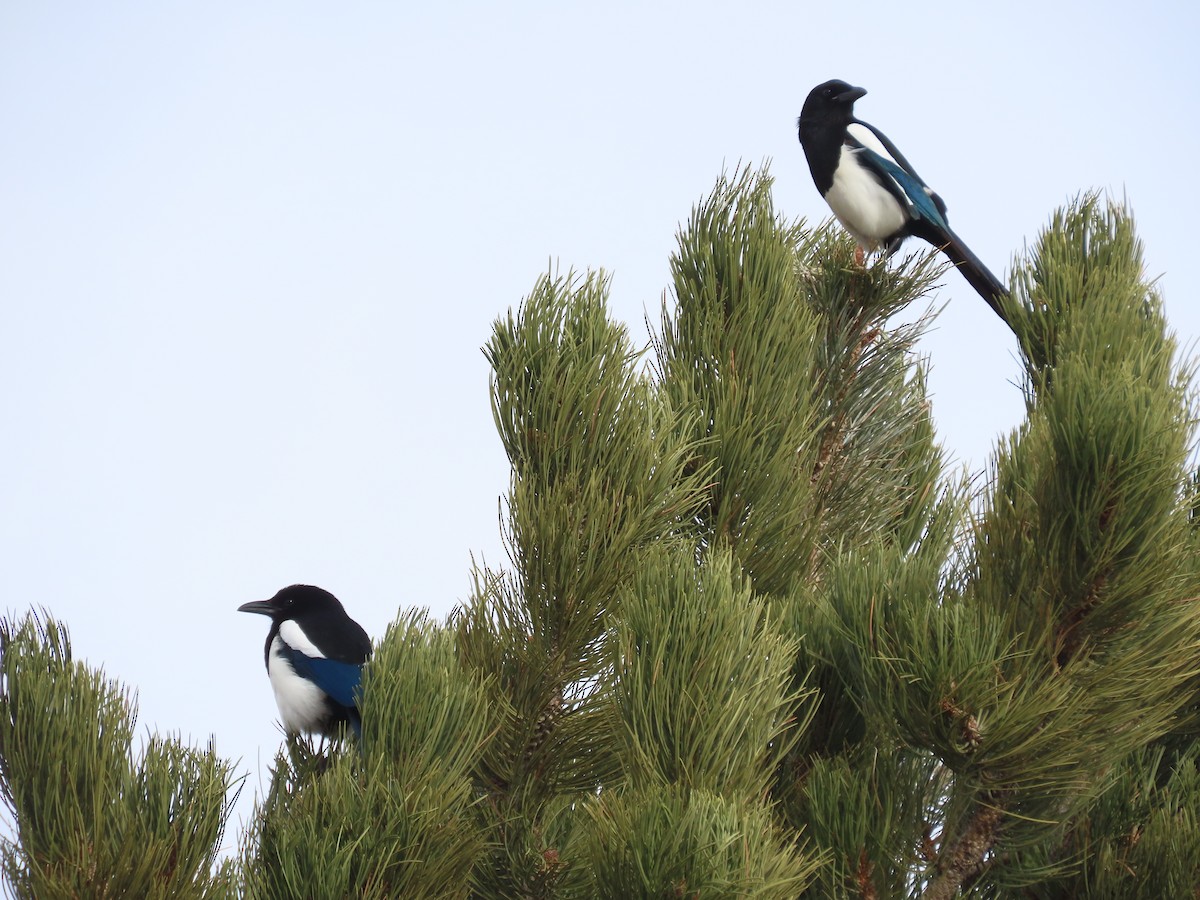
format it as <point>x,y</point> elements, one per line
<point>863,205</point>
<point>302,705</point>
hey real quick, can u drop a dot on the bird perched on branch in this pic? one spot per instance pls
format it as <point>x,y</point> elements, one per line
<point>873,190</point>
<point>315,654</point>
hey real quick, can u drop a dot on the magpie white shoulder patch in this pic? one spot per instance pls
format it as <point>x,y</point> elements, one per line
<point>293,635</point>
<point>867,138</point>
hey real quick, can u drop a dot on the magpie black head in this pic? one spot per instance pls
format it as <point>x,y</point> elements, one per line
<point>832,101</point>
<point>298,601</point>
<point>320,616</point>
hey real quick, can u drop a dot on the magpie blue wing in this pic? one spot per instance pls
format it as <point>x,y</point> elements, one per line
<point>920,202</point>
<point>893,152</point>
<point>338,679</point>
<point>893,171</point>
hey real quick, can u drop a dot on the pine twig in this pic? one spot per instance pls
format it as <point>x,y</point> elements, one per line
<point>966,855</point>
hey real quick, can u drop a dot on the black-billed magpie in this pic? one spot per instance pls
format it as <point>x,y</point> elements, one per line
<point>315,654</point>
<point>873,190</point>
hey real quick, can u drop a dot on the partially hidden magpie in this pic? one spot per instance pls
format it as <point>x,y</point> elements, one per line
<point>873,190</point>
<point>315,654</point>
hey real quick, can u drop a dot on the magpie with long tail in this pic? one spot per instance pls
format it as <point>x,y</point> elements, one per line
<point>315,654</point>
<point>874,191</point>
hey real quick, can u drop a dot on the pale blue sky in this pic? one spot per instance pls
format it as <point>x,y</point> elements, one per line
<point>249,253</point>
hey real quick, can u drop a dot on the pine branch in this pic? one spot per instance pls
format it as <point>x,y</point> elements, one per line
<point>1084,555</point>
<point>600,471</point>
<point>966,856</point>
<point>91,820</point>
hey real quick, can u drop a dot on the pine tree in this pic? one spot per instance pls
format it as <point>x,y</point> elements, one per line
<point>755,638</point>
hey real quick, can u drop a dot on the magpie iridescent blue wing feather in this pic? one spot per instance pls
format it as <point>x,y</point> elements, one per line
<point>913,192</point>
<point>894,153</point>
<point>339,680</point>
<point>895,175</point>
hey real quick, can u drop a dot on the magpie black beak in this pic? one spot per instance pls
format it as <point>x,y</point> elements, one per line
<point>851,95</point>
<point>262,607</point>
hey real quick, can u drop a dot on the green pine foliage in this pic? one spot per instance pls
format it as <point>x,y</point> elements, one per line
<point>91,820</point>
<point>600,473</point>
<point>671,841</point>
<point>702,688</point>
<point>1085,553</point>
<point>754,638</point>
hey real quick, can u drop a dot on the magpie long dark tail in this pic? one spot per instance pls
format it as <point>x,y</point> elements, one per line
<point>976,273</point>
